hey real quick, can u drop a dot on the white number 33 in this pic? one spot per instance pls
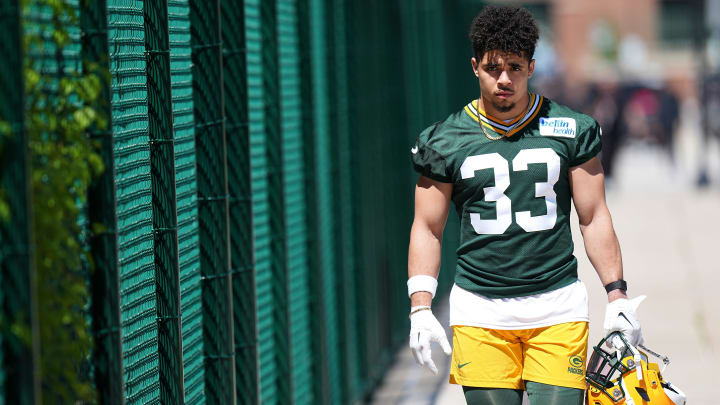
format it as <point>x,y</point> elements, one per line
<point>496,193</point>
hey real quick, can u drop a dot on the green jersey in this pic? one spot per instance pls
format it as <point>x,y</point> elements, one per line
<point>511,190</point>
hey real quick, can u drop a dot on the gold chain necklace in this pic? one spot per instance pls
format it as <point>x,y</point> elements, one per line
<point>482,127</point>
<point>488,136</point>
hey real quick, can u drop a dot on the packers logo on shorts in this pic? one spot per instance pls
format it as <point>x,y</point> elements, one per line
<point>576,364</point>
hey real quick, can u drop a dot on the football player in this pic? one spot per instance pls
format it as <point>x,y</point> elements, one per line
<point>511,161</point>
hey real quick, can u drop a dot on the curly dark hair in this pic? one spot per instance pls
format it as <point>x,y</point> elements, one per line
<point>508,29</point>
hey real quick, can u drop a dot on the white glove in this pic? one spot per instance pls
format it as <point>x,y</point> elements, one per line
<point>620,316</point>
<point>425,328</point>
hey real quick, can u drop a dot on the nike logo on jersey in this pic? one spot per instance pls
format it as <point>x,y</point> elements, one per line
<point>463,364</point>
<point>564,127</point>
<point>414,149</point>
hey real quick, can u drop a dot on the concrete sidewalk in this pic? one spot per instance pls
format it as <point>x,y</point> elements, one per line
<point>669,233</point>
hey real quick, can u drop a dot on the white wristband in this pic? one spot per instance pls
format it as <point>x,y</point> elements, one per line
<point>422,283</point>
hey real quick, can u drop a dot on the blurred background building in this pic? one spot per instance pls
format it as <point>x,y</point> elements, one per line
<point>209,201</point>
<point>631,65</point>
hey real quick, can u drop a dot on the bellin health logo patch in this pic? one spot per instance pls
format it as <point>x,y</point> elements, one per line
<point>564,127</point>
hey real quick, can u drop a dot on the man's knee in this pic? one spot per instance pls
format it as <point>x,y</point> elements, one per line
<point>492,396</point>
<point>544,394</point>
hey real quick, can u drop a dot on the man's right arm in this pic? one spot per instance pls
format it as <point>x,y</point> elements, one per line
<point>432,204</point>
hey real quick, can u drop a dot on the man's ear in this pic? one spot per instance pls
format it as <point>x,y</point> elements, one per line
<point>531,68</point>
<point>475,66</point>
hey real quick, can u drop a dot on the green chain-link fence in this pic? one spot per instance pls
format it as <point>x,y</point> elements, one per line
<point>126,40</point>
<point>290,144</point>
<point>164,211</point>
<point>186,192</point>
<point>248,234</point>
<point>240,215</point>
<point>212,200</point>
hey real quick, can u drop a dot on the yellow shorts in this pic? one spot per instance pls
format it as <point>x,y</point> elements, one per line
<point>493,358</point>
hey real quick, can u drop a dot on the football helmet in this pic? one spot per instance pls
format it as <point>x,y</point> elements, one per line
<point>624,375</point>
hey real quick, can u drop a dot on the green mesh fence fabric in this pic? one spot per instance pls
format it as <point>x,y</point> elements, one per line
<point>240,216</point>
<point>212,201</point>
<point>429,51</point>
<point>365,172</point>
<point>382,216</point>
<point>44,55</point>
<point>16,272</point>
<point>134,201</point>
<point>294,203</point>
<point>164,211</point>
<point>276,203</point>
<point>186,189</point>
<point>321,385</point>
<point>104,281</point>
<point>392,273</point>
<point>332,165</point>
<point>325,244</point>
<point>267,372</point>
<point>252,195</point>
<point>351,337</point>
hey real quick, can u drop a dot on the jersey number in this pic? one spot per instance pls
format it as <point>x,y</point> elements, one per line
<point>496,193</point>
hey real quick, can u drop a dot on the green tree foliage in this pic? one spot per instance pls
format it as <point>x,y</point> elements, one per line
<point>63,163</point>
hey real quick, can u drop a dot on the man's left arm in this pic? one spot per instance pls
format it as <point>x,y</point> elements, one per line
<point>587,183</point>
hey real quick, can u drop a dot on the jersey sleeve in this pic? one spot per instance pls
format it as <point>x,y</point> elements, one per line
<point>427,161</point>
<point>588,145</point>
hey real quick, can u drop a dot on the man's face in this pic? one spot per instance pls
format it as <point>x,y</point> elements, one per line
<point>503,79</point>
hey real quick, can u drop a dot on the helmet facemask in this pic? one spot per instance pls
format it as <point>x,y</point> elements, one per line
<point>605,368</point>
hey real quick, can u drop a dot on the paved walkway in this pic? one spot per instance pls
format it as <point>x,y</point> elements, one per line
<point>670,236</point>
